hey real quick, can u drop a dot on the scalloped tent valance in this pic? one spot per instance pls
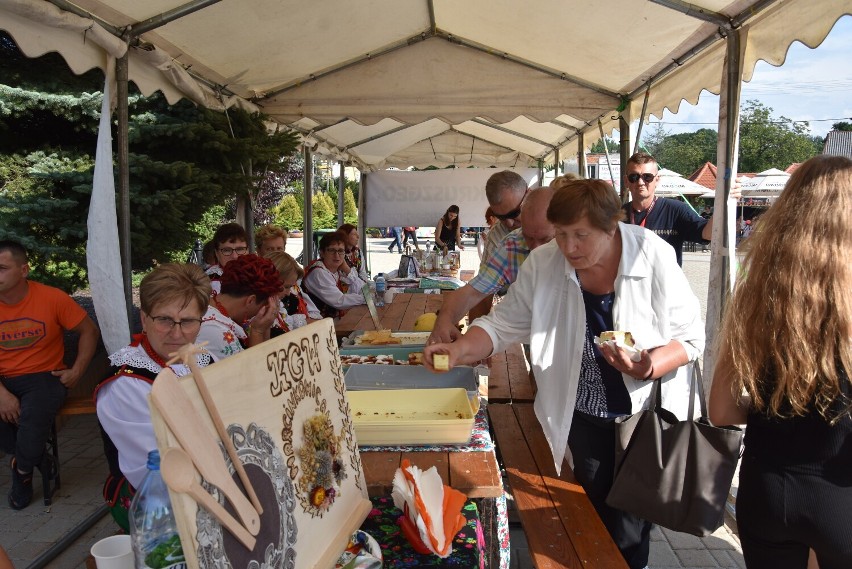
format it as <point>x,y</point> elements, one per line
<point>426,82</point>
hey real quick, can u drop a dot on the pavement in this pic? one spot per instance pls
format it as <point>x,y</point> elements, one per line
<point>28,534</point>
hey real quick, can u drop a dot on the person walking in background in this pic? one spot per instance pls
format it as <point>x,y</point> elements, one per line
<point>783,368</point>
<point>396,233</point>
<point>410,232</point>
<point>33,377</point>
<point>448,231</point>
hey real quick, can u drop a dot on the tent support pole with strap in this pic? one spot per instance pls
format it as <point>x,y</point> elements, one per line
<point>123,150</point>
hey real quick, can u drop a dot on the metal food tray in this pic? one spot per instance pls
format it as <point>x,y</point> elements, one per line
<point>368,377</point>
<point>408,339</point>
<point>398,351</point>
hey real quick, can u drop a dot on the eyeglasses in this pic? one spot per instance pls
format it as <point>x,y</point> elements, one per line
<point>646,177</point>
<point>165,324</point>
<point>228,251</point>
<point>515,212</point>
<point>336,251</point>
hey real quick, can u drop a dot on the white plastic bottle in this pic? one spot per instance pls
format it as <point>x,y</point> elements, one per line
<point>380,289</point>
<point>153,531</point>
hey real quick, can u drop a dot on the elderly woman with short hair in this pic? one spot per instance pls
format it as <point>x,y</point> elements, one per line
<point>173,299</point>
<point>331,283</point>
<point>598,274</point>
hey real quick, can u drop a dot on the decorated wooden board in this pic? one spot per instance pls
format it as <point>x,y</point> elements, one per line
<point>283,405</point>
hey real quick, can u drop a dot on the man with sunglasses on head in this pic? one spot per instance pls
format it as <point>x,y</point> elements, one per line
<point>671,219</point>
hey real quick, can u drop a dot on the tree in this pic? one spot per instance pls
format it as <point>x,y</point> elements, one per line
<point>842,125</point>
<point>184,160</point>
<point>325,212</point>
<point>350,210</point>
<point>288,213</point>
<point>687,151</point>
<point>612,145</point>
<point>654,139</point>
<point>768,142</point>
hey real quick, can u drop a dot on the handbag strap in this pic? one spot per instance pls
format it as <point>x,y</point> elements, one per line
<point>696,384</point>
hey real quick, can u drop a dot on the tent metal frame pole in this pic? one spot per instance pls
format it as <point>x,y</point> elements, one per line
<point>308,233</point>
<point>642,117</point>
<point>123,158</point>
<point>582,166</point>
<point>722,247</point>
<point>623,151</point>
<point>362,216</point>
<point>160,20</point>
<point>556,161</point>
<point>606,152</point>
<point>341,190</point>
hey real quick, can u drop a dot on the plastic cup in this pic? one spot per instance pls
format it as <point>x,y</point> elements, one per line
<point>114,552</point>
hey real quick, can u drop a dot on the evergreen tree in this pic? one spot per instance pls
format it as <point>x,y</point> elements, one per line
<point>184,160</point>
<point>288,213</point>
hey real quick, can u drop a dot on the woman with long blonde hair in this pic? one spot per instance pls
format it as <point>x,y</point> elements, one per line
<point>785,353</point>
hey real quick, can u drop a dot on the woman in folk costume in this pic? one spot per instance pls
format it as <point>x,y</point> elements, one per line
<point>173,299</point>
<point>331,283</point>
<point>251,286</point>
<point>354,255</point>
<point>294,309</point>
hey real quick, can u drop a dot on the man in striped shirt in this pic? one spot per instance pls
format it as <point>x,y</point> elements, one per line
<point>500,268</point>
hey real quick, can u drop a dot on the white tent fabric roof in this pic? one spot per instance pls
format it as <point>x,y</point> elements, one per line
<point>426,82</point>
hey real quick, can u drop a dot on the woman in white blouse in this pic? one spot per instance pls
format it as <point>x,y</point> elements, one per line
<point>330,282</point>
<point>597,275</point>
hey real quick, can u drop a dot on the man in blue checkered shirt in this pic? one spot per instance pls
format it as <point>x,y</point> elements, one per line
<point>500,268</point>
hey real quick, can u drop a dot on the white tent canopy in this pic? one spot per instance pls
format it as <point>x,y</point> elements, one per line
<point>769,183</point>
<point>673,184</point>
<point>425,82</point>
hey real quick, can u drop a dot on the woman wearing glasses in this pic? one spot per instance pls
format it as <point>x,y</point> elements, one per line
<point>598,274</point>
<point>329,281</point>
<point>173,299</point>
<point>448,232</point>
<point>229,242</point>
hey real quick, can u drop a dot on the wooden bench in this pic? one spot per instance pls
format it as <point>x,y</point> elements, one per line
<point>76,405</point>
<point>560,523</point>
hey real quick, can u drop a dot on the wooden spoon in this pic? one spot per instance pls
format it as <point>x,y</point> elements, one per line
<point>179,473</point>
<point>199,443</point>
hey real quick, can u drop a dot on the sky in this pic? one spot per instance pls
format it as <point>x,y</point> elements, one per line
<point>813,85</point>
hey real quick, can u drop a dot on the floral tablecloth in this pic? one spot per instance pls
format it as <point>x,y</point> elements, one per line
<point>468,544</point>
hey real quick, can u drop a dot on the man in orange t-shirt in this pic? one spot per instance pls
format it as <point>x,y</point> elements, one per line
<point>33,377</point>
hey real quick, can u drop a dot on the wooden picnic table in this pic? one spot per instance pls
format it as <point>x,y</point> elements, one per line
<point>400,315</point>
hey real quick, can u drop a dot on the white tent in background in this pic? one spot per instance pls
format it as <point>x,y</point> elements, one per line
<point>767,184</point>
<point>673,184</point>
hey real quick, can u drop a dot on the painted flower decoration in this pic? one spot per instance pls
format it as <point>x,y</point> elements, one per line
<point>323,470</point>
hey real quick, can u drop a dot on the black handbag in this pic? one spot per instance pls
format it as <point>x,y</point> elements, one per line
<point>676,474</point>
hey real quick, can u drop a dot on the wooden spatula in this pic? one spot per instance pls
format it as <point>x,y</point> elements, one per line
<point>199,443</point>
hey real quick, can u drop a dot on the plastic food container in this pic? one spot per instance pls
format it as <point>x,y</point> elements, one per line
<point>366,377</point>
<point>411,416</point>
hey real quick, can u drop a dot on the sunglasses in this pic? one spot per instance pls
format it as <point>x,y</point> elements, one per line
<point>515,212</point>
<point>647,177</point>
